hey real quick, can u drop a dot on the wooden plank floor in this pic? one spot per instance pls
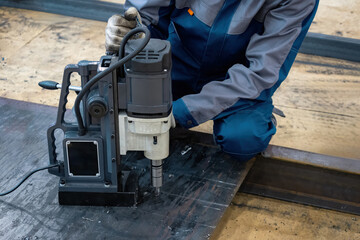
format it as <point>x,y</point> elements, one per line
<point>322,103</point>
<point>36,46</point>
<point>254,217</point>
<point>337,18</point>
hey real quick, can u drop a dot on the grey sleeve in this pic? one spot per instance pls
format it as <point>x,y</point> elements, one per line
<point>149,9</point>
<point>267,53</point>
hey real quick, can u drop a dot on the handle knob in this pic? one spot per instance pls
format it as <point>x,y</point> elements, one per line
<point>50,85</point>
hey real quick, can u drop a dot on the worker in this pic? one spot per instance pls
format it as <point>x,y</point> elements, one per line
<point>229,57</point>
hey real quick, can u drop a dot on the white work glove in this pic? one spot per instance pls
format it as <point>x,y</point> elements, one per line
<point>118,26</point>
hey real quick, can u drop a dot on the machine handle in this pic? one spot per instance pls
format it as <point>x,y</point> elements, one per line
<point>60,122</point>
<point>51,85</point>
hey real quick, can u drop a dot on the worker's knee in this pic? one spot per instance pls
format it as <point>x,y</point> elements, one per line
<point>245,133</point>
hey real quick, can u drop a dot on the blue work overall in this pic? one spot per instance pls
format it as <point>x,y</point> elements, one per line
<point>203,52</point>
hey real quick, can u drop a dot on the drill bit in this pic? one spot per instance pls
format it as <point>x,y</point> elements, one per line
<point>157,191</point>
<point>156,175</point>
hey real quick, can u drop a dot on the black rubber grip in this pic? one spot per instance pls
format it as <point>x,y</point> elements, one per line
<point>51,85</point>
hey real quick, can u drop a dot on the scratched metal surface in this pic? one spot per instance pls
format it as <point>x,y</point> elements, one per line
<point>199,186</point>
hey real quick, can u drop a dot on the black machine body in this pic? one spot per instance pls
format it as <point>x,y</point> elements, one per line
<point>91,172</point>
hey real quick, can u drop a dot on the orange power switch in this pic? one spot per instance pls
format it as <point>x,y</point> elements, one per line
<point>190,12</point>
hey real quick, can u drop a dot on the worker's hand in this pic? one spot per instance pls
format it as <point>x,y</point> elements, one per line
<point>118,26</point>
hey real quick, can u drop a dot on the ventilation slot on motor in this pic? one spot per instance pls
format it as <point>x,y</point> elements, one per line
<point>147,55</point>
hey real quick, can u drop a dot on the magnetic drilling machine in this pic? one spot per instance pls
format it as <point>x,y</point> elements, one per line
<point>124,104</point>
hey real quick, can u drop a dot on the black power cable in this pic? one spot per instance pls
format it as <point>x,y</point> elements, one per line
<point>88,85</point>
<point>26,177</point>
<point>97,77</point>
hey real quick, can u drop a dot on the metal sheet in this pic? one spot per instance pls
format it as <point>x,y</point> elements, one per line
<point>88,9</point>
<point>198,187</point>
<point>305,184</point>
<point>314,159</point>
<point>331,46</point>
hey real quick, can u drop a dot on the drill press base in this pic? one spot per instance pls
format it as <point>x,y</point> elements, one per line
<point>127,198</point>
<point>121,199</point>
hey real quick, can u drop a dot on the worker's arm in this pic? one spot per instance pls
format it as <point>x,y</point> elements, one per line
<point>155,14</point>
<point>270,57</point>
